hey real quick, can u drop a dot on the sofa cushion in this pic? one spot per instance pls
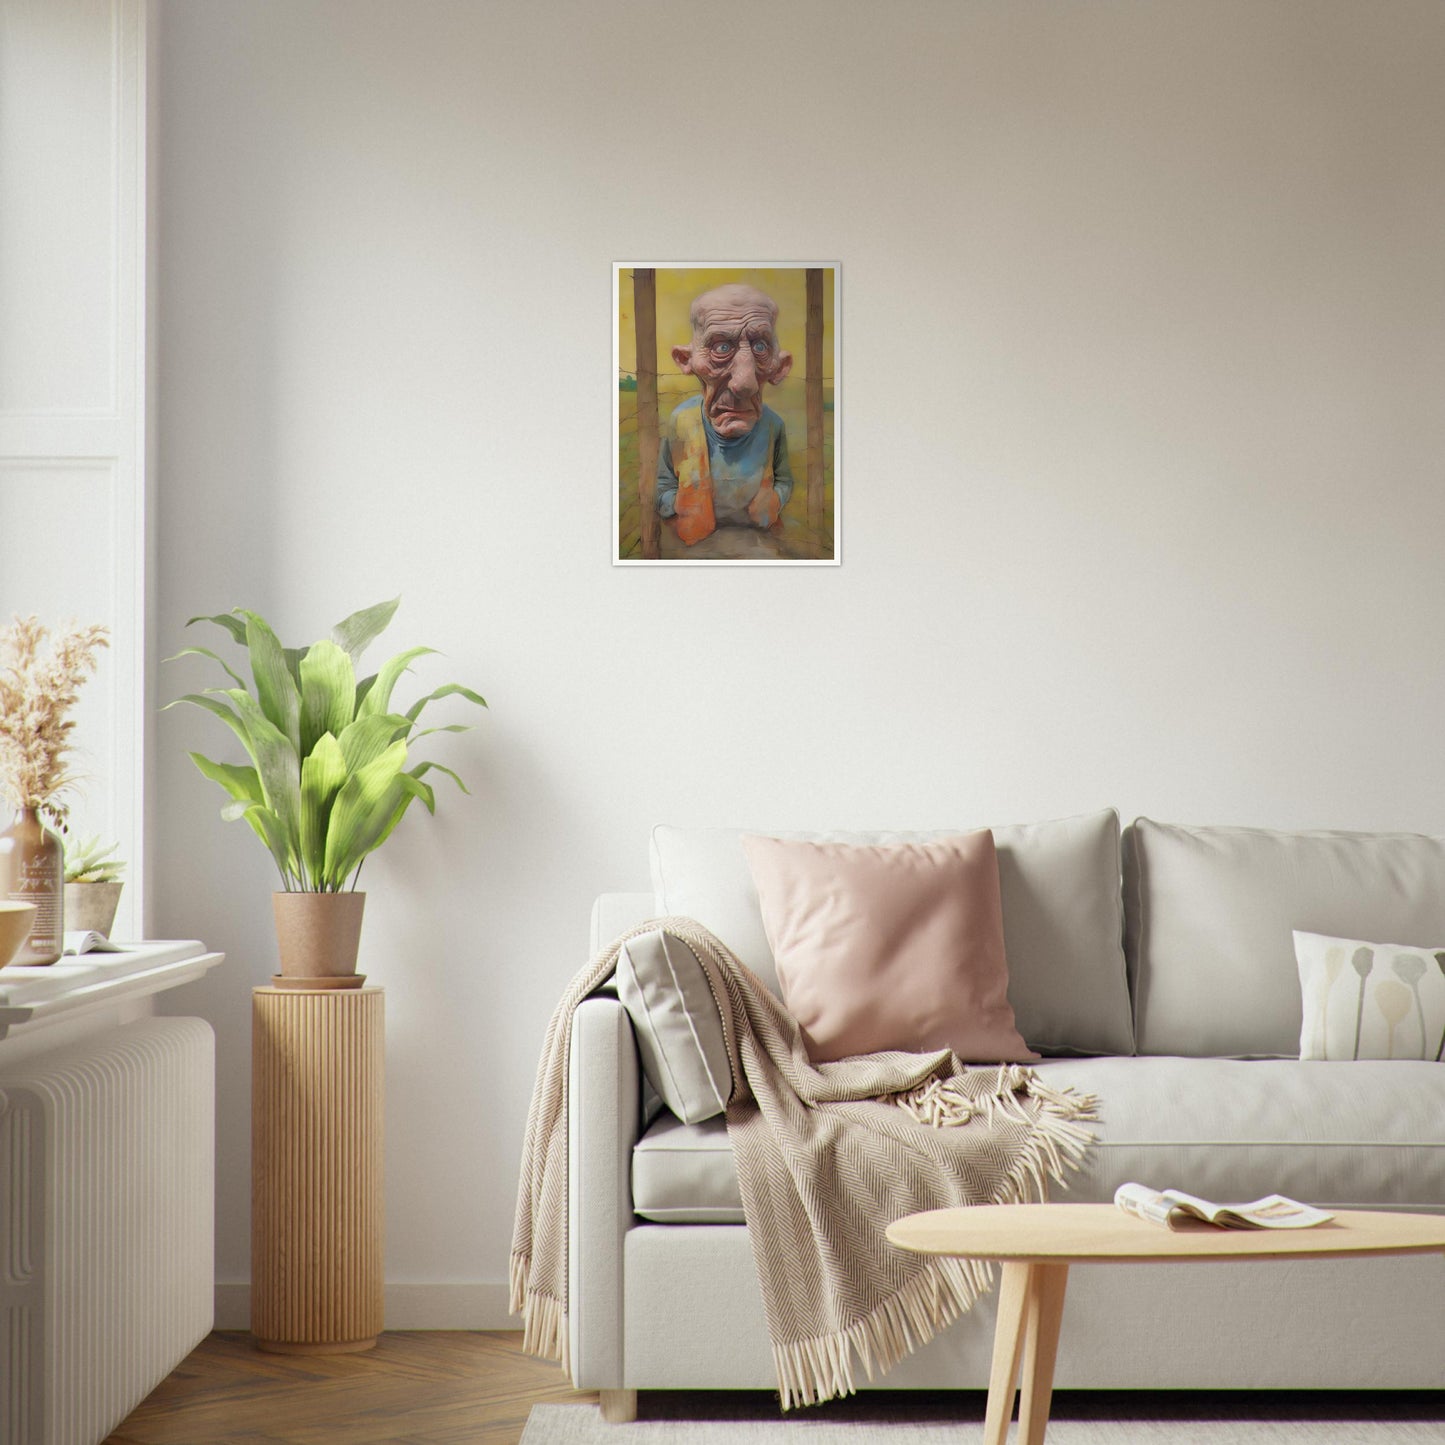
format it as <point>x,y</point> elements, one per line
<point>1212,911</point>
<point>1062,917</point>
<point>685,1174</point>
<point>889,948</point>
<point>1366,1135</point>
<point>1370,1000</point>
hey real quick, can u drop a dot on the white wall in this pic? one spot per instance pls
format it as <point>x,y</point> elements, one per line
<point>1144,345</point>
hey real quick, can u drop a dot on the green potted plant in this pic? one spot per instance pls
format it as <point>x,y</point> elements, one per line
<point>92,885</point>
<point>328,777</point>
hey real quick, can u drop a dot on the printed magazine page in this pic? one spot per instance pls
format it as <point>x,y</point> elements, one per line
<point>1174,1209</point>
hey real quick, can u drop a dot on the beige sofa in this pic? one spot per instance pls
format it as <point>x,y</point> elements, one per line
<point>1159,975</point>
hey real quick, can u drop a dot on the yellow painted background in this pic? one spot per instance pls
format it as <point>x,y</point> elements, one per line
<point>678,285</point>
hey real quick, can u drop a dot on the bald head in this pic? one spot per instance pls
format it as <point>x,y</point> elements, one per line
<point>732,299</point>
<point>734,351</point>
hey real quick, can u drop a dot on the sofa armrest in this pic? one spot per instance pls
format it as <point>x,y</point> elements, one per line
<point>603,1121</point>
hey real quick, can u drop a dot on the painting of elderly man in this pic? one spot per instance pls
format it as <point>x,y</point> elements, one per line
<point>725,415</point>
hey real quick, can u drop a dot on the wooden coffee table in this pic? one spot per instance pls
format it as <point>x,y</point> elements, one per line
<point>1037,1243</point>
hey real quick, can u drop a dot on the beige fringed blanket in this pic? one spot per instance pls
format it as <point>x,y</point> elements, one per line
<point>827,1156</point>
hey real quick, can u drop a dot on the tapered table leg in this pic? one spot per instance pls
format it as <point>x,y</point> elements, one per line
<point>1013,1298</point>
<point>1044,1311</point>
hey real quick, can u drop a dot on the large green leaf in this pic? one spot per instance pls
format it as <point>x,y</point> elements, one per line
<point>276,690</point>
<point>243,784</point>
<point>356,633</point>
<point>407,788</point>
<point>328,693</point>
<point>362,810</point>
<point>214,656</point>
<point>269,829</point>
<point>421,790</point>
<point>369,737</point>
<point>229,621</point>
<point>378,698</point>
<point>452,689</point>
<point>227,715</point>
<point>277,763</point>
<point>323,773</point>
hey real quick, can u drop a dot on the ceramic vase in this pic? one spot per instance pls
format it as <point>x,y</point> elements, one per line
<point>32,870</point>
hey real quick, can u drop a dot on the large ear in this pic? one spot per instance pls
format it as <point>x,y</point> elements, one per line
<point>682,355</point>
<point>781,367</point>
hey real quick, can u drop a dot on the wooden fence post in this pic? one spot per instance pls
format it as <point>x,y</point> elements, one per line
<point>814,392</point>
<point>644,303</point>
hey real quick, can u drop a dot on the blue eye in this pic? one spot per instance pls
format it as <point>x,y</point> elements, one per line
<point>760,348</point>
<point>722,348</point>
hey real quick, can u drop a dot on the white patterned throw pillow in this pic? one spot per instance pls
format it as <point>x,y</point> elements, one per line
<point>1370,1000</point>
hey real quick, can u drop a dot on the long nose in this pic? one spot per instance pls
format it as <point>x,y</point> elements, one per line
<point>743,377</point>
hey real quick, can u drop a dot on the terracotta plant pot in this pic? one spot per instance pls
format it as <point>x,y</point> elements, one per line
<point>91,906</point>
<point>16,921</point>
<point>319,934</point>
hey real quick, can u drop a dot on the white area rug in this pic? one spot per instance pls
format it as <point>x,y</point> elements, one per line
<point>1232,1418</point>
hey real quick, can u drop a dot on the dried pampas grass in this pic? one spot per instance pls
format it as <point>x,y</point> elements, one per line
<point>39,685</point>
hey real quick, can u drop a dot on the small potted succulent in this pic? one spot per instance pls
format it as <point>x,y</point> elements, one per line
<point>327,778</point>
<point>92,886</point>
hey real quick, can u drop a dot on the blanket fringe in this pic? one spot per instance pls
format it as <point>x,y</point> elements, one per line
<point>813,1370</point>
<point>518,1269</point>
<point>545,1332</point>
<point>1056,1117</point>
<point>1058,1143</point>
<point>822,1368</point>
<point>544,1320</point>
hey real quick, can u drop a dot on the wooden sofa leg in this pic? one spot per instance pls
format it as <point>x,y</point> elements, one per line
<point>619,1407</point>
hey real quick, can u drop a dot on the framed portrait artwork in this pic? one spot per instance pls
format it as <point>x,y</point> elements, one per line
<point>725,414</point>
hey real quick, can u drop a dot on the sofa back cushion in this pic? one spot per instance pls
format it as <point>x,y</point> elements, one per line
<point>614,913</point>
<point>1211,914</point>
<point>1062,917</point>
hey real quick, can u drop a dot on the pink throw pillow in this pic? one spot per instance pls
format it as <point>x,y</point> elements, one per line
<point>896,947</point>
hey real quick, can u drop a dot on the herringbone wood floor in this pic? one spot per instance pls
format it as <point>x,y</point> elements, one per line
<point>429,1387</point>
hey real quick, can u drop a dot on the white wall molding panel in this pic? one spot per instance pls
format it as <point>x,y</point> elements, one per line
<point>73,434</point>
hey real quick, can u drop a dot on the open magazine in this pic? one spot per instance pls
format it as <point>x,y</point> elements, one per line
<point>1177,1210</point>
<point>88,941</point>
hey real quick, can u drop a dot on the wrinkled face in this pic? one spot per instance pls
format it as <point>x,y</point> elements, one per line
<point>734,351</point>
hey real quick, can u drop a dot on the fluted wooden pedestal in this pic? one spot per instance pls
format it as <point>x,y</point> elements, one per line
<point>316,1169</point>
